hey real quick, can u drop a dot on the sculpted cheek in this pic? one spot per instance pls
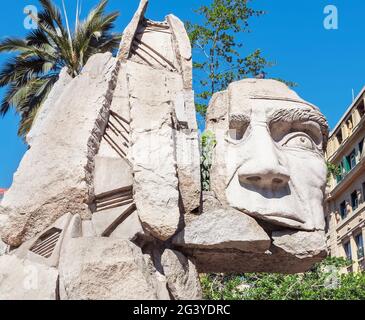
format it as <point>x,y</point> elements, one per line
<point>309,170</point>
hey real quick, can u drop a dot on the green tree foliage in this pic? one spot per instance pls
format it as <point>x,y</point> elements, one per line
<point>216,39</point>
<point>332,170</point>
<point>208,142</point>
<point>39,57</point>
<point>324,282</point>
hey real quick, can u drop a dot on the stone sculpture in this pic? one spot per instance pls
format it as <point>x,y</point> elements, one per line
<point>268,178</point>
<point>107,202</point>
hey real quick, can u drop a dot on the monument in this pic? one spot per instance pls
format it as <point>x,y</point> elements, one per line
<point>107,201</point>
<point>268,178</point>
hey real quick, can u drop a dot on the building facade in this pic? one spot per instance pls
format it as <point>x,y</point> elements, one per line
<point>345,205</point>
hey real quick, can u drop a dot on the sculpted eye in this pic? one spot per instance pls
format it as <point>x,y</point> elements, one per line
<point>235,134</point>
<point>300,140</point>
<point>237,130</point>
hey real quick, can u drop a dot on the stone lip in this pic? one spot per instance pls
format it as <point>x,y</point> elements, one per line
<point>223,239</point>
<point>273,261</point>
<point>223,228</point>
<point>300,243</point>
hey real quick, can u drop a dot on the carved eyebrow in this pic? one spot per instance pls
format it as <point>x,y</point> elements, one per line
<point>302,115</point>
<point>239,117</point>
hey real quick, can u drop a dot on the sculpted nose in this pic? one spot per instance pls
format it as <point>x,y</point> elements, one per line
<point>263,167</point>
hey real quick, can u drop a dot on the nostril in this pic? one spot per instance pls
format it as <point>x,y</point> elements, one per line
<point>277,181</point>
<point>253,179</point>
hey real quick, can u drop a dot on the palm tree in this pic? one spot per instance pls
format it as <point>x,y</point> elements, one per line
<point>31,73</point>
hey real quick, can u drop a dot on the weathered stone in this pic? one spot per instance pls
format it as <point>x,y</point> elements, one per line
<point>50,240</point>
<point>274,175</point>
<point>291,252</point>
<point>110,218</point>
<point>104,268</point>
<point>181,275</point>
<point>217,112</point>
<point>21,279</point>
<point>223,228</point>
<point>188,169</point>
<point>153,150</point>
<point>130,31</point>
<point>210,201</point>
<point>3,248</point>
<point>277,176</point>
<point>129,229</point>
<point>189,102</point>
<point>111,174</point>
<point>118,148</point>
<point>55,175</point>
<point>301,244</point>
<point>153,46</point>
<point>56,92</point>
<point>74,228</point>
<point>273,261</point>
<point>88,230</point>
<point>182,48</point>
<point>159,212</point>
<point>120,103</point>
<point>153,263</point>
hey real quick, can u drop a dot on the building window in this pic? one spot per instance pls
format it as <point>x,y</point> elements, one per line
<point>361,109</point>
<point>361,147</point>
<point>347,249</point>
<point>327,225</point>
<point>360,246</point>
<point>343,211</point>
<point>349,125</point>
<point>340,172</point>
<point>351,161</point>
<point>354,200</point>
<point>339,137</point>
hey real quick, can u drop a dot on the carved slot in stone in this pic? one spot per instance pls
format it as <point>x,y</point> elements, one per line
<point>117,134</point>
<point>153,26</point>
<point>130,209</point>
<point>46,243</point>
<point>144,51</point>
<point>152,46</point>
<point>114,199</point>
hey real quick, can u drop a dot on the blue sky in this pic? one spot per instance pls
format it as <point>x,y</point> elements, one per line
<point>326,64</point>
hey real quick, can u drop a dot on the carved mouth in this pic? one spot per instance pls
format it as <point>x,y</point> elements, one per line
<point>284,216</point>
<point>279,218</point>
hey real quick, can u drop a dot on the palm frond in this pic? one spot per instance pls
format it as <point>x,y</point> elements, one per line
<point>13,45</point>
<point>51,15</point>
<point>31,73</point>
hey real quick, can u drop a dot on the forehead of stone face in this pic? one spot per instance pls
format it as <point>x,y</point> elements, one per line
<point>271,101</point>
<point>248,93</point>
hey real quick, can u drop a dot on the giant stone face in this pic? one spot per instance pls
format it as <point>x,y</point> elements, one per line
<point>269,159</point>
